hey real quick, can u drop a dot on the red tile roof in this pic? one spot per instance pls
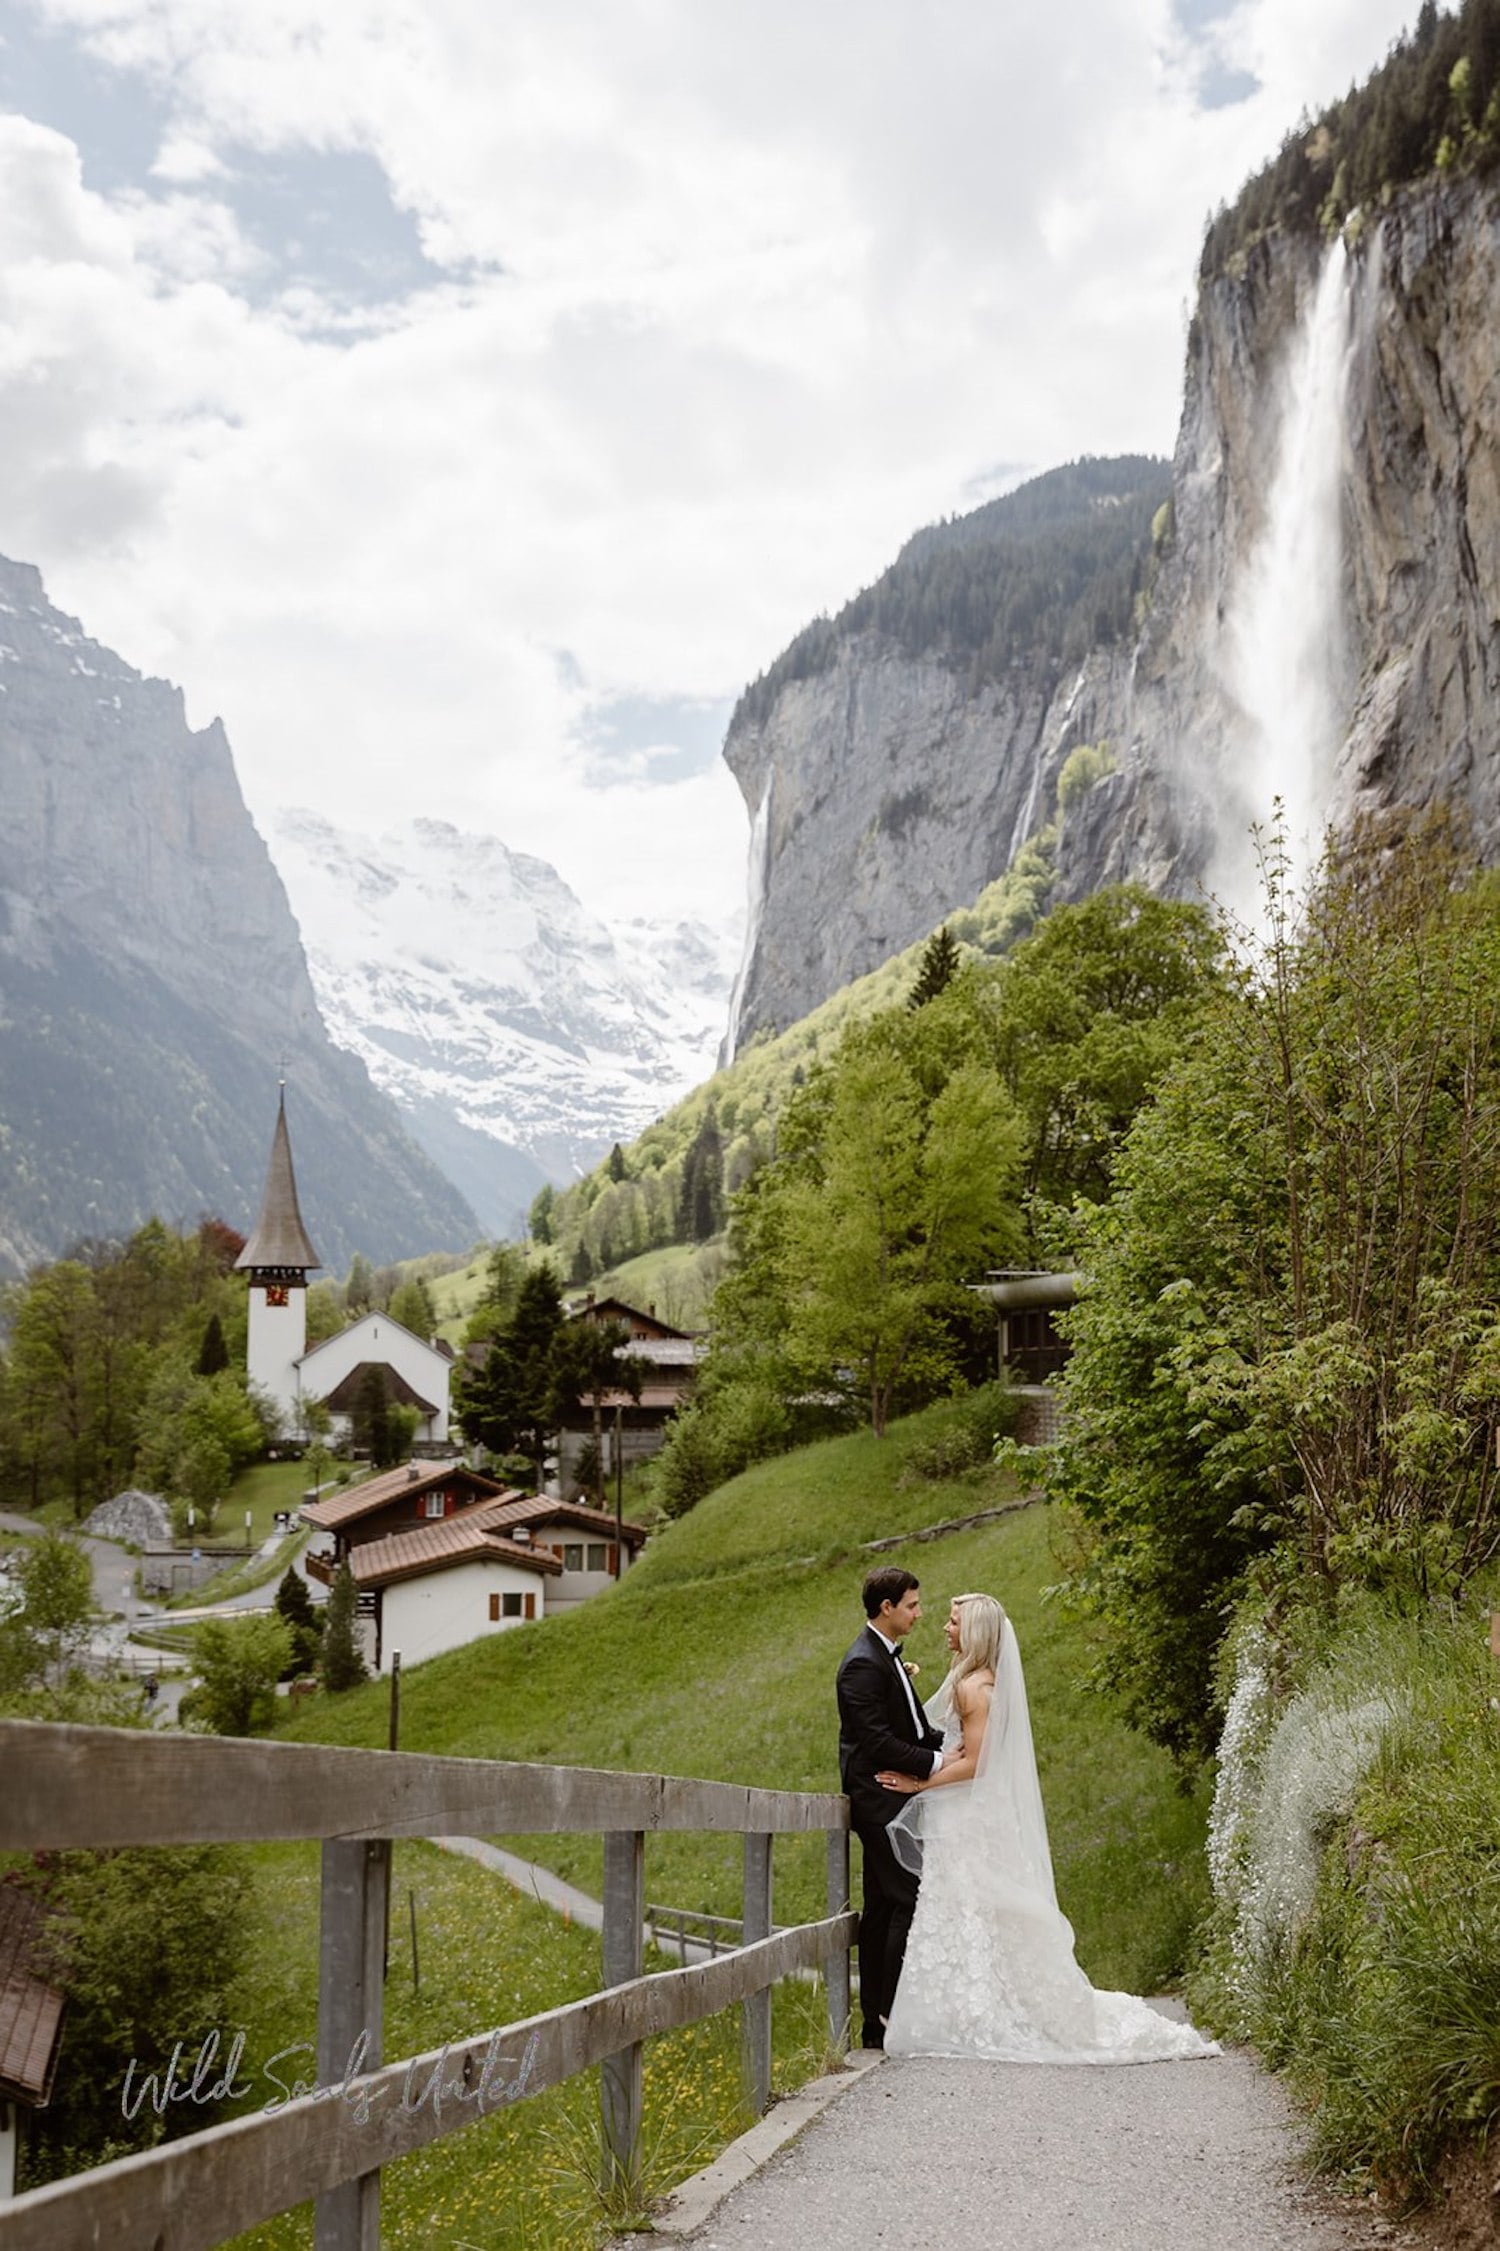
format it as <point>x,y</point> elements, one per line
<point>526,1511</point>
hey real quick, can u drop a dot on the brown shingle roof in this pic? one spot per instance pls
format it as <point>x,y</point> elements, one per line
<point>278,1238</point>
<point>31,1998</point>
<point>394,1485</point>
<point>528,1510</point>
<point>468,1538</point>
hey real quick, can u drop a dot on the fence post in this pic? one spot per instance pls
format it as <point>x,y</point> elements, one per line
<point>620,2075</point>
<point>757,2009</point>
<point>351,1993</point>
<point>838,1964</point>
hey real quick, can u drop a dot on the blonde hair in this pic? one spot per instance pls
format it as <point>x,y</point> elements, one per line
<point>981,1627</point>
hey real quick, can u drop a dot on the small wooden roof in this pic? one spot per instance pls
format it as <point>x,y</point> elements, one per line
<point>278,1238</point>
<point>441,1546</point>
<point>641,1323</point>
<point>407,1480</point>
<point>31,1998</point>
<point>527,1513</point>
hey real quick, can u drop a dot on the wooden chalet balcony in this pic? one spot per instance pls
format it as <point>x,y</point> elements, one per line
<point>89,1787</point>
<point>320,1567</point>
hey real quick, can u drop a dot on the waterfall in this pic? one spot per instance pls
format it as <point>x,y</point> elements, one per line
<point>758,869</point>
<point>1287,641</point>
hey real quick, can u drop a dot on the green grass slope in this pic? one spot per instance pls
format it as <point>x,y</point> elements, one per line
<point>715,1656</point>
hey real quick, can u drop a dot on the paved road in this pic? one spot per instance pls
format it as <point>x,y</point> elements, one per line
<point>931,2155</point>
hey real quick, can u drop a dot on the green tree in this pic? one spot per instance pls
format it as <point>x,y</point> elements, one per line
<point>238,1662</point>
<point>507,1404</point>
<point>359,1290</point>
<point>701,1211</point>
<point>589,1362</point>
<point>1287,1357</point>
<point>941,961</point>
<point>298,1612</point>
<point>912,1193</point>
<point>375,1427</point>
<point>539,1218</point>
<point>411,1304</point>
<point>343,1665</point>
<point>151,1946</point>
<point>57,1596</point>
<point>213,1353</point>
<point>617,1167</point>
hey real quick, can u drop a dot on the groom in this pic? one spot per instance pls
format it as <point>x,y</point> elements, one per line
<point>882,1726</point>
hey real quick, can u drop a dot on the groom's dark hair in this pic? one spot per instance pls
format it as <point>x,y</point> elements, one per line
<point>888,1584</point>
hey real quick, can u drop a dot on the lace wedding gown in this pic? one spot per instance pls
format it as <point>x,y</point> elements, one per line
<point>989,1967</point>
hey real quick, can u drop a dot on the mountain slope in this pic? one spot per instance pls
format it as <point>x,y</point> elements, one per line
<point>152,984</point>
<point>517,1034</point>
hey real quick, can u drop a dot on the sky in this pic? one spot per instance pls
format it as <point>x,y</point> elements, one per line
<point>464,399</point>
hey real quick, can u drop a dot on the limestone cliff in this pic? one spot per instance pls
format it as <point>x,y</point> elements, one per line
<point>1322,626</point>
<point>152,980</point>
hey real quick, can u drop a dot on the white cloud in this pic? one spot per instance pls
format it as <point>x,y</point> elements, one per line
<point>734,298</point>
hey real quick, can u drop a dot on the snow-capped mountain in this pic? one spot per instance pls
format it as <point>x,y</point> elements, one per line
<point>518,1035</point>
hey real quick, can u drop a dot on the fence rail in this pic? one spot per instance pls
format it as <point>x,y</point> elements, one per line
<point>91,1787</point>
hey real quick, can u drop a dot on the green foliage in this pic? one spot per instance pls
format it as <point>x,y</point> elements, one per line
<point>964,1442</point>
<point>587,1363</point>
<point>343,1665</point>
<point>539,1218</point>
<point>411,1304</point>
<point>213,1353</point>
<point>701,1197</point>
<point>150,1942</point>
<point>375,1427</point>
<point>509,1402</point>
<point>238,1662</point>
<point>940,965</point>
<point>1036,578</point>
<point>1086,764</point>
<point>1431,105</point>
<point>1366,1965</point>
<point>193,1433</point>
<point>57,1594</point>
<point>1287,1348</point>
<point>298,1613</point>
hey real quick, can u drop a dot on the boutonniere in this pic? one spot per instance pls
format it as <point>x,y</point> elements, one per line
<point>911,1671</point>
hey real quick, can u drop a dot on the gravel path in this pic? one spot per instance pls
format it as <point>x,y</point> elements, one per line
<point>930,2155</point>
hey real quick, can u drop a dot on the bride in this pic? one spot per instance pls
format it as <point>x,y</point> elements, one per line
<point>989,1965</point>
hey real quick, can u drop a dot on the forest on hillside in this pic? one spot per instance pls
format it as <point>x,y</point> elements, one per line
<point>1432,107</point>
<point>1037,577</point>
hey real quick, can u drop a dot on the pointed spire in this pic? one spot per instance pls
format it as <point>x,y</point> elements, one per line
<point>279,1239</point>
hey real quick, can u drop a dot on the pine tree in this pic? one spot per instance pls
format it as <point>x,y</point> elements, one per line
<point>617,1163</point>
<point>213,1353</point>
<point>941,961</point>
<point>343,1665</point>
<point>294,1604</point>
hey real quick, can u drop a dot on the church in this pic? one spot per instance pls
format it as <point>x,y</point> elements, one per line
<point>277,1259</point>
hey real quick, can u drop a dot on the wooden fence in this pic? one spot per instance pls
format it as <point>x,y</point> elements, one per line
<point>66,1787</point>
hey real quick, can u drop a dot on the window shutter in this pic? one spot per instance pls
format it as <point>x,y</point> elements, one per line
<point>494,1610</point>
<point>530,1606</point>
<point>613,1563</point>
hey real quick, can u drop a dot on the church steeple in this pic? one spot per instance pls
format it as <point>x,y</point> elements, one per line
<point>278,1258</point>
<point>279,1248</point>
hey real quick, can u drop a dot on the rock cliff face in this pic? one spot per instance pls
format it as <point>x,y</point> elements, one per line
<point>152,981</point>
<point>1323,627</point>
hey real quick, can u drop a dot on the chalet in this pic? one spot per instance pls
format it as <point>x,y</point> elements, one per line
<point>31,2016</point>
<point>413,1497</point>
<point>1030,1348</point>
<point>633,1429</point>
<point>449,1581</point>
<point>591,1546</point>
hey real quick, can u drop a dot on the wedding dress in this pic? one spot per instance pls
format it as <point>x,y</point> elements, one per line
<point>989,1967</point>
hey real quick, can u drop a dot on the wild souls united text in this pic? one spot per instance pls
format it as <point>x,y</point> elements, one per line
<point>206,2083</point>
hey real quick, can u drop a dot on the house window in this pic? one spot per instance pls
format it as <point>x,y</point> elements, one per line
<point>572,1555</point>
<point>598,1556</point>
<point>433,1504</point>
<point>511,1606</point>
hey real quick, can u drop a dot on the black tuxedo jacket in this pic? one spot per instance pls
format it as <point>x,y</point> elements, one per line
<point>876,1730</point>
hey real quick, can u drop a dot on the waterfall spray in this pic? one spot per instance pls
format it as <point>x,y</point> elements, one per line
<point>1287,644</point>
<point>758,869</point>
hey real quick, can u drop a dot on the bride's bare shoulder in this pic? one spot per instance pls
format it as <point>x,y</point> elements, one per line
<point>975,1689</point>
